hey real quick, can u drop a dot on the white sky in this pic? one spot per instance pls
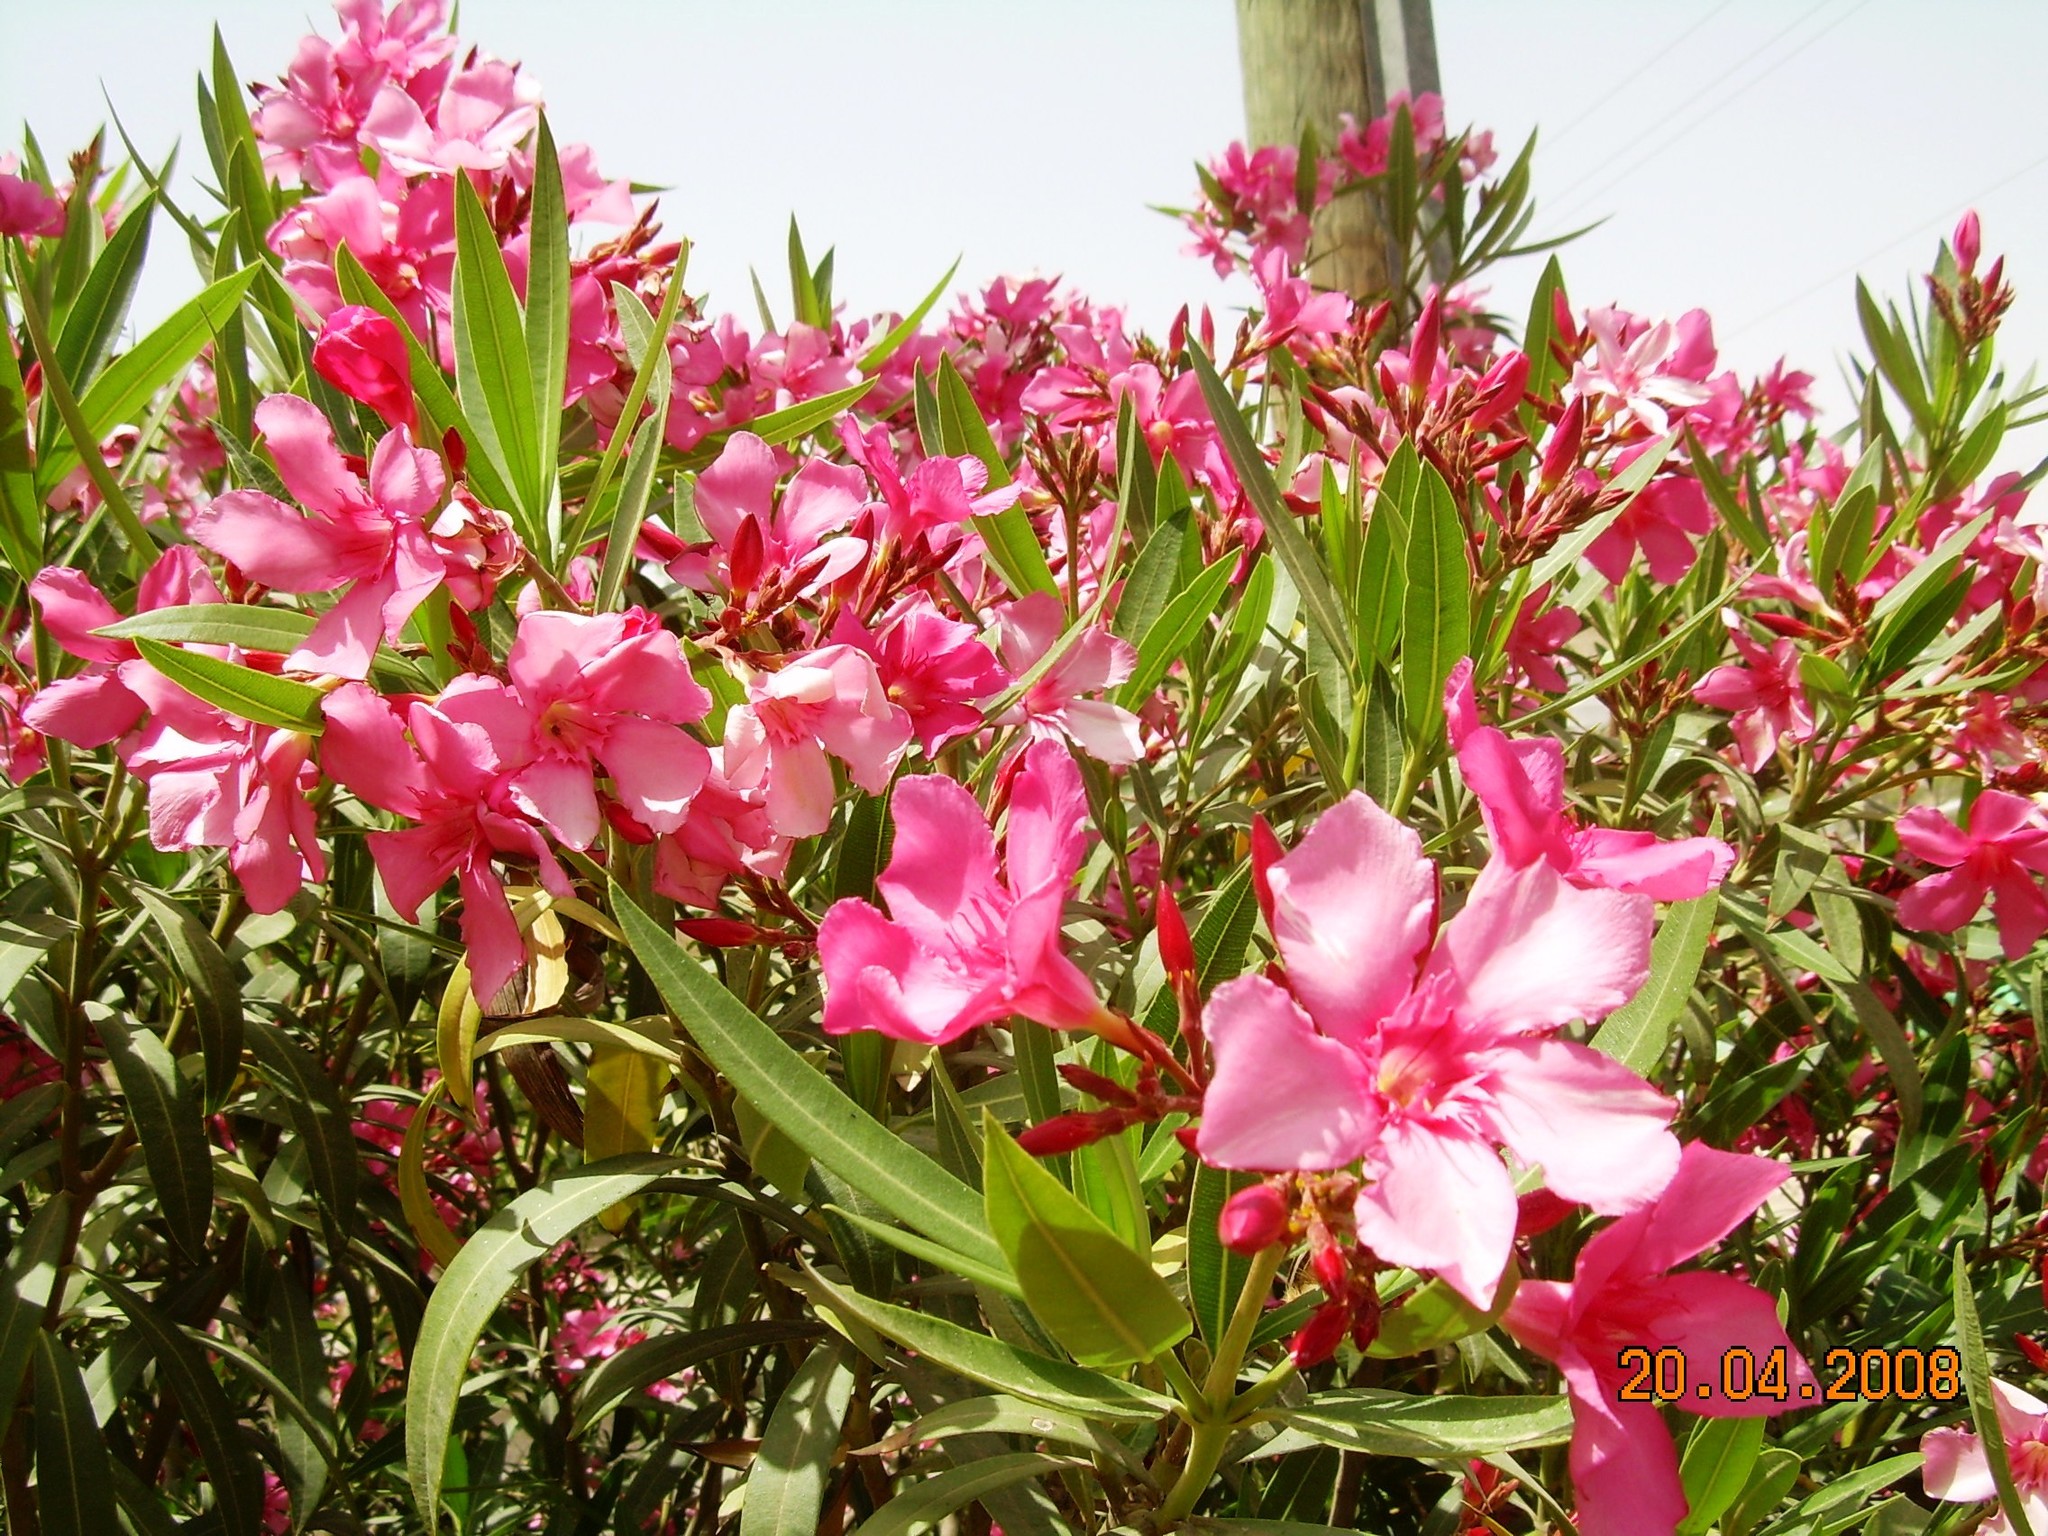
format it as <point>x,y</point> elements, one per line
<point>1751,156</point>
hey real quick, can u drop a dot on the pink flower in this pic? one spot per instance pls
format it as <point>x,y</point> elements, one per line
<point>938,495</point>
<point>612,691</point>
<point>1658,522</point>
<point>1764,694</point>
<point>25,208</point>
<point>1622,1294</point>
<point>1537,641</point>
<point>310,125</point>
<point>1999,857</point>
<point>1955,1467</point>
<point>403,234</point>
<point>483,113</point>
<point>829,700</point>
<point>726,833</point>
<point>452,778</point>
<point>1053,705</point>
<point>936,668</point>
<point>1294,310</point>
<point>363,355</point>
<point>1421,1049</point>
<point>372,535</point>
<point>1644,371</point>
<point>963,946</point>
<point>788,536</point>
<point>1520,785</point>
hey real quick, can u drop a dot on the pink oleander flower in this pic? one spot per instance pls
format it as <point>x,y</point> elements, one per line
<point>1421,1049</point>
<point>1661,522</point>
<point>402,232</point>
<point>1999,858</point>
<point>478,547</point>
<point>447,766</point>
<point>1643,371</point>
<point>1764,694</point>
<point>934,667</point>
<point>964,945</point>
<point>25,208</point>
<point>933,499</point>
<point>789,540</point>
<point>727,833</point>
<point>363,355</point>
<point>1295,311</point>
<point>825,701</point>
<point>1538,639</point>
<point>608,691</point>
<point>1520,786</point>
<point>370,536</point>
<point>1956,1470</point>
<point>484,112</point>
<point>1054,706</point>
<point>1622,1293</point>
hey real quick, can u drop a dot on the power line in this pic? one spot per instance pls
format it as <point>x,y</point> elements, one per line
<point>1631,76</point>
<point>1898,240</point>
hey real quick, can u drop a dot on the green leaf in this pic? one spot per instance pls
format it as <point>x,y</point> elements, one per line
<point>1436,605</point>
<point>1637,1032</point>
<point>619,1378</point>
<point>21,510</point>
<point>1154,577</point>
<point>1012,542</point>
<point>1215,1274</point>
<point>631,513</point>
<point>1096,1296</point>
<point>318,1117</point>
<point>278,631</point>
<point>786,1485</point>
<point>801,1100</point>
<point>203,1408</point>
<point>1537,335</point>
<point>1169,636</point>
<point>547,310</point>
<point>1002,1367</point>
<point>25,1289</point>
<point>1433,1315</point>
<point>123,390</point>
<point>24,941</point>
<point>1396,1424</point>
<point>493,379</point>
<point>925,1503</point>
<point>473,1285</point>
<point>97,314</point>
<point>1983,1404</point>
<point>793,421</point>
<point>74,1474</point>
<point>166,1117</point>
<point>291,1345</point>
<point>259,697</point>
<point>210,983</point>
<point>1382,581</point>
<point>1000,1414</point>
<point>1319,598</point>
<point>1846,548</point>
<point>1772,1478</point>
<point>1894,355</point>
<point>876,357</point>
<point>1719,1454</point>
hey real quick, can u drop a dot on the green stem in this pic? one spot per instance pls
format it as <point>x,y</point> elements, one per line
<point>1213,1429</point>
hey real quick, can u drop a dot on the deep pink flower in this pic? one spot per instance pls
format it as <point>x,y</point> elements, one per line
<point>726,833</point>
<point>1999,857</point>
<point>484,111</point>
<point>1421,1050</point>
<point>964,945</point>
<point>934,498</point>
<point>828,700</point>
<point>936,668</point>
<point>25,208</point>
<point>792,532</point>
<point>310,125</point>
<point>1622,1294</point>
<point>402,232</point>
<point>1094,663</point>
<point>1661,521</point>
<point>372,535</point>
<point>1520,785</point>
<point>363,355</point>
<point>1955,1468</point>
<point>446,766</point>
<point>611,691</point>
<point>1764,694</point>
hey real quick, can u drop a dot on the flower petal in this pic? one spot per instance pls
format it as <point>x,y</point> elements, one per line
<point>1282,1096</point>
<point>1601,1134</point>
<point>1440,1199</point>
<point>1529,950</point>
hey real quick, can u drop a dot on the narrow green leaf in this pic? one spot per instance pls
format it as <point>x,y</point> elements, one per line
<point>618,1379</point>
<point>1154,577</point>
<point>1983,1401</point>
<point>1637,1032</point>
<point>1436,606</point>
<point>25,1289</point>
<point>493,380</point>
<point>97,314</point>
<point>1433,1315</point>
<point>210,983</point>
<point>474,1284</point>
<point>1002,1367</point>
<point>793,421</point>
<point>259,697</point>
<point>166,1117</point>
<point>74,1474</point>
<point>547,310</point>
<point>801,1100</point>
<point>21,511</point>
<point>1719,1456</point>
<point>1170,635</point>
<point>925,1503</point>
<point>876,357</point>
<point>278,631</point>
<point>1096,1296</point>
<point>318,1117</point>
<point>1396,1424</point>
<point>1846,547</point>
<point>291,1346</point>
<point>1215,1274</point>
<point>1382,576</point>
<point>631,514</point>
<point>203,1408</point>
<point>786,1485</point>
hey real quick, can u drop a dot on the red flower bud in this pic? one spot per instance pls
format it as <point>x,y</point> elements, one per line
<point>1176,949</point>
<point>364,355</point>
<point>743,565</point>
<point>2036,1355</point>
<point>1331,1272</point>
<point>1266,852</point>
<point>1422,352</point>
<point>1319,1337</point>
<point>1969,242</point>
<point>1539,1211</point>
<point>1501,390</point>
<point>1562,451</point>
<point>720,932</point>
<point>1252,1219</point>
<point>1068,1133</point>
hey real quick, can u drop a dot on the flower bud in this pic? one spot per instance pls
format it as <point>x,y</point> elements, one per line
<point>1069,1132</point>
<point>1501,390</point>
<point>363,355</point>
<point>2037,1357</point>
<point>1266,852</point>
<point>1969,242</point>
<point>1176,949</point>
<point>1561,453</point>
<point>1319,1337</point>
<point>1422,353</point>
<point>1332,1273</point>
<point>1252,1219</point>
<point>1539,1211</point>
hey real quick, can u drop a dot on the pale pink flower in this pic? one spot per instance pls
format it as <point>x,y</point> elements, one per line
<point>1763,692</point>
<point>1622,1294</point>
<point>1956,1469</point>
<point>1647,371</point>
<point>2000,857</point>
<point>936,668</point>
<point>1421,1050</point>
<point>1053,706</point>
<point>373,536</point>
<point>1520,785</point>
<point>485,110</point>
<point>608,691</point>
<point>830,700</point>
<point>964,945</point>
<point>790,540</point>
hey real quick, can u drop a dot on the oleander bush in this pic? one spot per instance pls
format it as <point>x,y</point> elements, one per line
<point>1365,916</point>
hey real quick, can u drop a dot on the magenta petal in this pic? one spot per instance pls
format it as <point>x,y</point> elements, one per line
<point>1440,1199</point>
<point>557,791</point>
<point>1281,1096</point>
<point>302,444</point>
<point>1529,950</point>
<point>404,478</point>
<point>489,931</point>
<point>1048,817</point>
<point>1709,1317</point>
<point>1601,1134</point>
<point>1927,834</point>
<point>942,869</point>
<point>1352,907</point>
<point>800,790</point>
<point>1942,903</point>
<point>1711,1194</point>
<point>878,977</point>
<point>1624,1468</point>
<point>269,542</point>
<point>346,638</point>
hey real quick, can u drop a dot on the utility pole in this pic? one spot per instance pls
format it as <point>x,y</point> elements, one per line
<point>1305,62</point>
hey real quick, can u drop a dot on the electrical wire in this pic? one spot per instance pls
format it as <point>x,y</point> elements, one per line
<point>1631,76</point>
